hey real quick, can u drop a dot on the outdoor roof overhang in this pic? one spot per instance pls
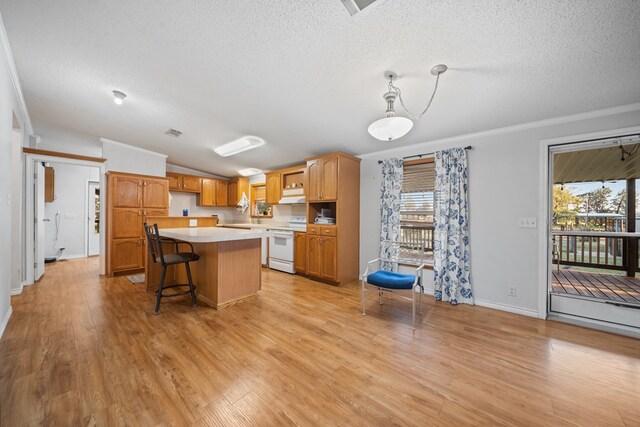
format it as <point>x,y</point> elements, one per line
<point>601,164</point>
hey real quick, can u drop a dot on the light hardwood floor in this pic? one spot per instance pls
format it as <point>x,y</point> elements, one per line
<point>84,350</point>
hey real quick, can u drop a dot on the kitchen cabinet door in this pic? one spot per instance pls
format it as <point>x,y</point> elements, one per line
<point>192,184</point>
<point>155,194</point>
<point>221,193</point>
<point>175,181</point>
<point>126,223</point>
<point>207,193</point>
<point>314,180</point>
<point>126,191</point>
<point>314,254</point>
<point>329,258</point>
<point>127,254</point>
<point>300,252</point>
<point>329,186</point>
<point>49,184</point>
<point>232,193</point>
<point>273,188</point>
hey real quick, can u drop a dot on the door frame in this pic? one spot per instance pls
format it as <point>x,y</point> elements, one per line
<point>87,229</point>
<point>29,159</point>
<point>544,236</point>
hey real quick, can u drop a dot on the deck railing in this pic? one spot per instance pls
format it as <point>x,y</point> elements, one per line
<point>591,249</point>
<point>416,239</point>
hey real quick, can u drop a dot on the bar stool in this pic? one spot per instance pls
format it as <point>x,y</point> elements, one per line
<point>155,248</point>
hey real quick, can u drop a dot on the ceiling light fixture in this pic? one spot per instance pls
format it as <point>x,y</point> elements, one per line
<point>239,145</point>
<point>250,171</point>
<point>391,126</point>
<point>118,97</point>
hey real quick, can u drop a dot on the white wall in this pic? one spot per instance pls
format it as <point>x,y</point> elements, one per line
<point>17,184</point>
<point>56,138</point>
<point>180,201</point>
<point>127,158</point>
<point>70,201</point>
<point>504,173</point>
<point>13,116</point>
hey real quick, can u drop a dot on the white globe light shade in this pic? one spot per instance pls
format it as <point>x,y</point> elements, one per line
<point>390,128</point>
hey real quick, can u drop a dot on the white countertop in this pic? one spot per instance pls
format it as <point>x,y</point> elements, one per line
<point>247,226</point>
<point>211,234</point>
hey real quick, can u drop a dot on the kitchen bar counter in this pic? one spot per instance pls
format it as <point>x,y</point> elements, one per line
<point>229,269</point>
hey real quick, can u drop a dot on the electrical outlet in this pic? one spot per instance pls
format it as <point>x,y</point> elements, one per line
<point>511,291</point>
<point>70,215</point>
<point>527,223</point>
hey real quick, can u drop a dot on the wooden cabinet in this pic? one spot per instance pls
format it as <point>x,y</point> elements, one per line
<point>314,254</point>
<point>300,252</point>
<point>208,193</point>
<point>185,183</point>
<point>192,184</point>
<point>126,191</point>
<point>323,179</point>
<point>127,254</point>
<point>222,194</point>
<point>322,257</point>
<point>333,183</point>
<point>213,193</point>
<point>236,188</point>
<point>49,184</point>
<point>130,199</point>
<point>272,184</point>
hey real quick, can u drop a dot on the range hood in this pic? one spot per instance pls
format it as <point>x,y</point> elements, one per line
<point>292,200</point>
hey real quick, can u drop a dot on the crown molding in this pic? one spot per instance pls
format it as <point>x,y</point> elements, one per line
<point>510,129</point>
<point>7,56</point>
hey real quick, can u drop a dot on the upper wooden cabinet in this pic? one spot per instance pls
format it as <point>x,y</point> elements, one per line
<point>322,179</point>
<point>154,193</point>
<point>272,183</point>
<point>208,193</point>
<point>49,184</point>
<point>213,192</point>
<point>236,188</point>
<point>182,182</point>
<point>221,193</point>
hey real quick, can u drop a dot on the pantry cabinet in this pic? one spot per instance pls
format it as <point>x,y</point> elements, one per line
<point>130,199</point>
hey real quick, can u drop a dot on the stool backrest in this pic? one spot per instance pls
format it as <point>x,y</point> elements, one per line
<point>153,240</point>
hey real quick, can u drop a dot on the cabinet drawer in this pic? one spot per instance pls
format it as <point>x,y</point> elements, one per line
<point>328,230</point>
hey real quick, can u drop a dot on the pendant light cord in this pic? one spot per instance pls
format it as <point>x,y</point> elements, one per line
<point>396,89</point>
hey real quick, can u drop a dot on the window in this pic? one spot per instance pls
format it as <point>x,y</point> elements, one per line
<point>416,210</point>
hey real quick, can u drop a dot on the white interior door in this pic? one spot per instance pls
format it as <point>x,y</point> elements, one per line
<point>38,204</point>
<point>93,219</point>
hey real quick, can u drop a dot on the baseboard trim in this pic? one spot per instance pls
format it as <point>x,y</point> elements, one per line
<point>74,256</point>
<point>508,308</point>
<point>17,291</point>
<point>5,322</point>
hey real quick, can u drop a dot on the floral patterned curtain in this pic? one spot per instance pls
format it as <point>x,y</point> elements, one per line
<point>451,265</point>
<point>390,190</point>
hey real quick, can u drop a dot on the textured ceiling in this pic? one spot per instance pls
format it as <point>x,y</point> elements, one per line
<point>306,76</point>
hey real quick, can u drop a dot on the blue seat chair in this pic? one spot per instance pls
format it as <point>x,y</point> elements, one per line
<point>385,279</point>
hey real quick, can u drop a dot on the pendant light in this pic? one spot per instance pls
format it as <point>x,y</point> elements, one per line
<point>391,126</point>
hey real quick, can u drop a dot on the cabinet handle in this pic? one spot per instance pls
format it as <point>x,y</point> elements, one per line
<point>139,213</point>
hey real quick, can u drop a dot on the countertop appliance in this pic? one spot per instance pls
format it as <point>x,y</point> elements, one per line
<point>281,245</point>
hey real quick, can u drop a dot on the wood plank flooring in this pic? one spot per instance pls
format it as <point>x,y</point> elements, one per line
<point>597,285</point>
<point>84,350</point>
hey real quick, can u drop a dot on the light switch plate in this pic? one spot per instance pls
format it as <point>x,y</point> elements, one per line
<point>527,223</point>
<point>193,223</point>
<point>70,215</point>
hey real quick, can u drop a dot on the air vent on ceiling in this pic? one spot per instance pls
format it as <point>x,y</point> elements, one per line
<point>173,132</point>
<point>355,6</point>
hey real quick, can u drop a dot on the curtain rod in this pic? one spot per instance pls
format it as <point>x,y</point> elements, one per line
<point>468,147</point>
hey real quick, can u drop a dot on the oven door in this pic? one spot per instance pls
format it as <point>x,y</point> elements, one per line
<point>281,245</point>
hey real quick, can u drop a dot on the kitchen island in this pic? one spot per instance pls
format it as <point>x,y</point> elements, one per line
<point>229,269</point>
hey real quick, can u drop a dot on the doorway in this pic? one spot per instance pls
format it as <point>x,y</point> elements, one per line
<point>93,218</point>
<point>593,248</point>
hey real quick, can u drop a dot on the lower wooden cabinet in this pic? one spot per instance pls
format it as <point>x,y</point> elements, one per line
<point>300,252</point>
<point>126,223</point>
<point>322,257</point>
<point>127,254</point>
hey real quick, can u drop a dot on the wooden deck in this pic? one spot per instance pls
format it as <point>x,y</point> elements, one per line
<point>597,285</point>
